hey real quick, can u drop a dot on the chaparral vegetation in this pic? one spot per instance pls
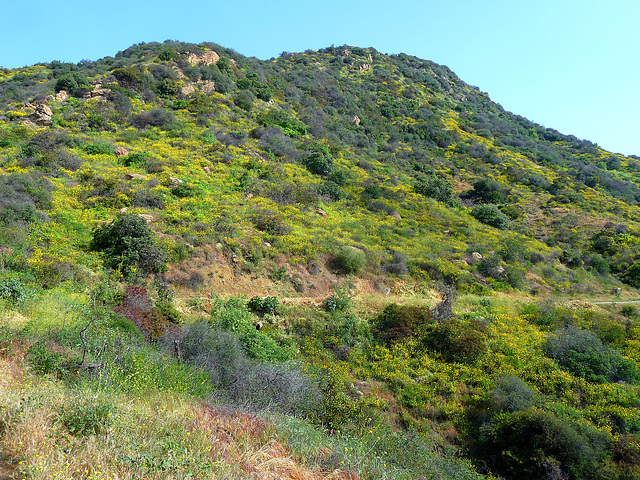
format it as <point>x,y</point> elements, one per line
<point>331,264</point>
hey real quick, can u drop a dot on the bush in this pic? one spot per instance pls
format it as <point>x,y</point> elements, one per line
<point>456,341</point>
<point>185,190</point>
<point>349,260</point>
<point>399,322</point>
<point>244,100</point>
<point>98,148</point>
<point>632,275</point>
<point>438,188</point>
<point>319,161</point>
<point>157,117</point>
<point>86,418</point>
<point>284,388</point>
<point>134,159</point>
<point>491,215</point>
<point>74,83</point>
<point>234,316</point>
<point>128,245</point>
<point>279,118</point>
<point>531,444</point>
<point>13,290</point>
<point>488,191</point>
<point>511,394</point>
<point>270,223</point>
<point>262,306</point>
<point>21,196</point>
<point>583,354</point>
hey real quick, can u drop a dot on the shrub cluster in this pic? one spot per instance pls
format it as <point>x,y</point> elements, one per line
<point>129,246</point>
<point>399,322</point>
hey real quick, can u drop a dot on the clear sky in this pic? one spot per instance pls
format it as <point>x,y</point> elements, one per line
<point>566,64</point>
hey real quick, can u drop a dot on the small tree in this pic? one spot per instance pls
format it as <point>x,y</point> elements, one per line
<point>128,245</point>
<point>491,215</point>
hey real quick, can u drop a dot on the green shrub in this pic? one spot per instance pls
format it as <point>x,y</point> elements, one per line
<point>129,246</point>
<point>319,161</point>
<point>632,275</point>
<point>98,148</point>
<point>531,443</point>
<point>456,341</point>
<point>74,83</point>
<point>349,260</point>
<point>491,215</point>
<point>244,100</point>
<point>489,191</point>
<point>583,354</point>
<point>45,361</point>
<point>511,394</point>
<point>263,306</point>
<point>234,316</point>
<point>280,118</point>
<point>13,290</point>
<point>134,159</point>
<point>399,322</point>
<point>185,190</point>
<point>86,418</point>
<point>270,223</point>
<point>438,188</point>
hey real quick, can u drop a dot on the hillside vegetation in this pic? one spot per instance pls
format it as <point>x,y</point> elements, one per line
<point>331,264</point>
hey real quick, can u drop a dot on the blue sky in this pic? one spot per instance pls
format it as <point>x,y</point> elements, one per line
<point>569,65</point>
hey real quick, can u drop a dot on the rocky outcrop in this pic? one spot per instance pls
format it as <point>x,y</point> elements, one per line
<point>121,152</point>
<point>206,58</point>
<point>42,116</point>
<point>62,95</point>
<point>208,87</point>
<point>187,90</point>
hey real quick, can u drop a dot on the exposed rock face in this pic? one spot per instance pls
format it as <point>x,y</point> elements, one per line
<point>42,116</point>
<point>356,120</point>
<point>476,257</point>
<point>206,57</point>
<point>208,87</point>
<point>100,92</point>
<point>62,95</point>
<point>365,67</point>
<point>121,152</point>
<point>187,90</point>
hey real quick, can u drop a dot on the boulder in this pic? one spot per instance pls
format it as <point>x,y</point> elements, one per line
<point>206,58</point>
<point>175,181</point>
<point>187,90</point>
<point>100,92</point>
<point>208,87</point>
<point>396,214</point>
<point>322,213</point>
<point>42,116</point>
<point>62,95</point>
<point>121,152</point>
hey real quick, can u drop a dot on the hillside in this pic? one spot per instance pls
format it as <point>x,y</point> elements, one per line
<point>326,256</point>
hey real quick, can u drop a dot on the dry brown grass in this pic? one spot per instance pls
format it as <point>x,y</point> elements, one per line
<point>158,437</point>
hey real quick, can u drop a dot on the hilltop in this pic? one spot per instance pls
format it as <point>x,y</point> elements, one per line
<point>402,257</point>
